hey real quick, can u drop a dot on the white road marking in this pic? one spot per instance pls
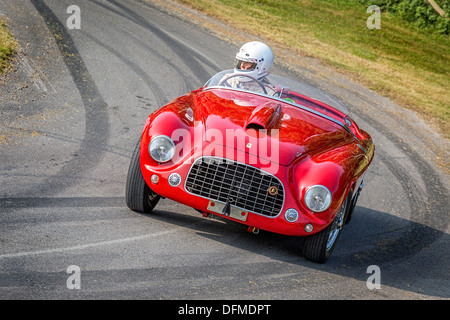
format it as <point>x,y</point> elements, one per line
<point>85,246</point>
<point>36,76</point>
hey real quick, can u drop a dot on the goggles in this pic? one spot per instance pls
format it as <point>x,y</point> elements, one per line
<point>244,65</point>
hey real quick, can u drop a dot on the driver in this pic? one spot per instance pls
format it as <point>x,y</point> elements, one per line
<point>254,59</point>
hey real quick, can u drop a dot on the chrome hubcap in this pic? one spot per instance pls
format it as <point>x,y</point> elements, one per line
<point>337,225</point>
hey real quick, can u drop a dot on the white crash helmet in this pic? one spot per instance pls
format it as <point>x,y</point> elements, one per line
<point>259,54</point>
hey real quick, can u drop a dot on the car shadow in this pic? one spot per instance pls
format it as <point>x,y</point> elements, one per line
<point>403,249</point>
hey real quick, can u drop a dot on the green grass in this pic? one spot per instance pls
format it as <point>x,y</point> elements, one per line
<point>409,65</point>
<point>7,46</point>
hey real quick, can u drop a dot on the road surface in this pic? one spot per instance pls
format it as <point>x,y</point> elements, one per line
<point>72,110</point>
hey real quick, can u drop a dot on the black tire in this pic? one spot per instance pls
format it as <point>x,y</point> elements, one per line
<point>319,246</point>
<point>353,204</point>
<point>139,196</point>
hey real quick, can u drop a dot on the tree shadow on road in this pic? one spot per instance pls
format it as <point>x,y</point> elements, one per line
<point>407,252</point>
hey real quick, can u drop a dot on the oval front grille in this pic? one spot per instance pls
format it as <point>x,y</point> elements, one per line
<point>238,184</point>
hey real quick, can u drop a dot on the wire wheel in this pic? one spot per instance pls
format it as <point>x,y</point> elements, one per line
<point>319,246</point>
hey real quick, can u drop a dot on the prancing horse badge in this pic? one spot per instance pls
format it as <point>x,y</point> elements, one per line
<point>273,190</point>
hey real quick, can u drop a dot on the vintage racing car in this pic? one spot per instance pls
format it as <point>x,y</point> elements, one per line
<point>267,156</point>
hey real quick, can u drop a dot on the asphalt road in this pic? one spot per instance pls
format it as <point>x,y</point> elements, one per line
<point>71,112</point>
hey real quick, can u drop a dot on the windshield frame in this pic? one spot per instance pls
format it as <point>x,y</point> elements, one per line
<point>284,86</point>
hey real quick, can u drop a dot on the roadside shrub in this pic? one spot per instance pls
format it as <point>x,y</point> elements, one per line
<point>7,46</point>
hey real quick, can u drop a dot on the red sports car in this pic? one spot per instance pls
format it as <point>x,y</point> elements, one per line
<point>261,153</point>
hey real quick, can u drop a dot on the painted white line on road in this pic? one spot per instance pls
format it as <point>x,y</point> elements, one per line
<point>85,246</point>
<point>36,76</point>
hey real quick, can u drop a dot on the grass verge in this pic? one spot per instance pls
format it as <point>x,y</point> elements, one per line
<point>8,46</point>
<point>408,65</point>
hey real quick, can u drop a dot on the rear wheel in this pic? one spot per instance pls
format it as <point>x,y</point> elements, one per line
<point>319,246</point>
<point>139,196</point>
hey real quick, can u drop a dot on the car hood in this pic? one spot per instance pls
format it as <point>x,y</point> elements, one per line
<point>263,127</point>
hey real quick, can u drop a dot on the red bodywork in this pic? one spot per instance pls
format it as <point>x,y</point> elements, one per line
<point>315,145</point>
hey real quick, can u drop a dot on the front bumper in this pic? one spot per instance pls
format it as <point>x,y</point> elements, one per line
<point>239,208</point>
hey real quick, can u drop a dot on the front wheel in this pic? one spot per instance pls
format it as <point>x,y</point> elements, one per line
<point>319,246</point>
<point>139,196</point>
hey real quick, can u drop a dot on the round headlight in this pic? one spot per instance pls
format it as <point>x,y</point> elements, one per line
<point>318,198</point>
<point>161,148</point>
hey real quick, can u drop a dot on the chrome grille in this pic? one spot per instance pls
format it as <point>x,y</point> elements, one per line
<point>238,184</point>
